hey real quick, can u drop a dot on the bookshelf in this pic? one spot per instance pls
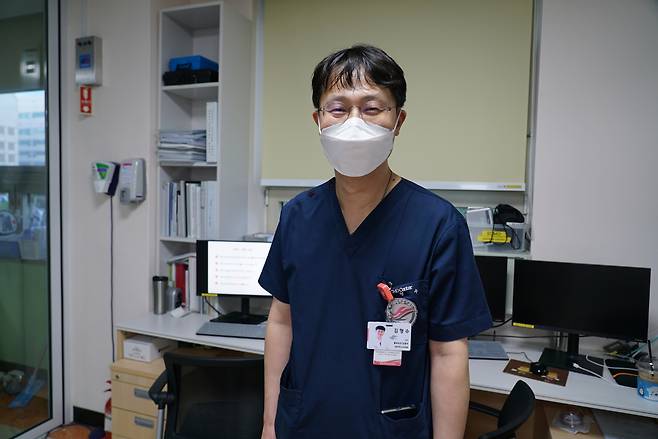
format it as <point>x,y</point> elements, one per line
<point>218,32</point>
<point>198,92</point>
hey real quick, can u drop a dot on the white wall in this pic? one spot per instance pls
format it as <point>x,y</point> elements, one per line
<point>597,136</point>
<point>123,126</point>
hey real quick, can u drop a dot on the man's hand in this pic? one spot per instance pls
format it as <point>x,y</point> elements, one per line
<point>277,352</point>
<point>449,388</point>
<point>268,432</point>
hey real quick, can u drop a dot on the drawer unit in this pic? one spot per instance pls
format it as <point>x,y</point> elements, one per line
<point>134,415</point>
<point>132,425</point>
<point>134,398</point>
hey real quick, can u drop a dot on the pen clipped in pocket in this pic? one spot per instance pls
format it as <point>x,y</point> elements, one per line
<point>407,411</point>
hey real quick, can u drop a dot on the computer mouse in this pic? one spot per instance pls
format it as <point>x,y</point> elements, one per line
<point>538,368</point>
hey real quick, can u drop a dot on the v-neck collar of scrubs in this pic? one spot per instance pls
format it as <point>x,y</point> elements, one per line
<point>354,240</point>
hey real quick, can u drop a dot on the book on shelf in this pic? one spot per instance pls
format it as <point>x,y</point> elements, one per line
<point>211,213</point>
<point>211,132</point>
<point>182,269</point>
<point>195,301</point>
<point>189,209</point>
<point>181,229</point>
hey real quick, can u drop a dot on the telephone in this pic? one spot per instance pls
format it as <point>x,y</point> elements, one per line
<point>504,213</point>
<point>132,181</point>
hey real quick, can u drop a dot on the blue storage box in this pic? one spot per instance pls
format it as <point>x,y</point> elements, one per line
<point>194,62</point>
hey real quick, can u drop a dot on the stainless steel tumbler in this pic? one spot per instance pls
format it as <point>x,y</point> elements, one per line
<point>159,294</point>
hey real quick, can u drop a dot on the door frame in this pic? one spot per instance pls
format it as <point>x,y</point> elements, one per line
<point>54,225</point>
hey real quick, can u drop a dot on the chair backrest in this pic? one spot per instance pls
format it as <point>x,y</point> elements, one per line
<point>214,397</point>
<point>518,407</point>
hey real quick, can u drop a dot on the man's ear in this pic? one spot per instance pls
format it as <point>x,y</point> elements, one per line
<point>315,117</point>
<point>401,118</point>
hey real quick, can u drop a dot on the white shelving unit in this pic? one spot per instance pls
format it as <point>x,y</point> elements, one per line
<point>198,92</point>
<point>219,33</point>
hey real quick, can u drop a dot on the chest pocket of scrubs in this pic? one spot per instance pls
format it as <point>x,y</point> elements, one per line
<point>417,292</point>
<point>405,386</point>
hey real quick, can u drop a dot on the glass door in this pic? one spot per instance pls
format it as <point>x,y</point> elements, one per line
<point>30,274</point>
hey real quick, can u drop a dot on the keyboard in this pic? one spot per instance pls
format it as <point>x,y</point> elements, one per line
<point>241,330</point>
<point>486,350</point>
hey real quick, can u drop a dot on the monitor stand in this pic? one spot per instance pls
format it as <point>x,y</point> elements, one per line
<point>566,360</point>
<point>243,316</point>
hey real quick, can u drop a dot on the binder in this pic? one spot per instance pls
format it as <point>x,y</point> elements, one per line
<point>195,301</point>
<point>164,209</point>
<point>211,132</point>
<point>179,272</point>
<point>212,212</point>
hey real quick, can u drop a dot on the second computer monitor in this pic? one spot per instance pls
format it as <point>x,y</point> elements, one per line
<point>607,301</point>
<point>493,273</point>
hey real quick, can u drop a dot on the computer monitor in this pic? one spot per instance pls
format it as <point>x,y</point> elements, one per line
<point>599,300</point>
<point>232,268</point>
<point>493,273</point>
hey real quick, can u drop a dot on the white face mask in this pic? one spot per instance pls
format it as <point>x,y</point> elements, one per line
<point>355,147</point>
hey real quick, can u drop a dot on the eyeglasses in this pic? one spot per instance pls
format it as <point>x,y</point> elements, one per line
<point>339,113</point>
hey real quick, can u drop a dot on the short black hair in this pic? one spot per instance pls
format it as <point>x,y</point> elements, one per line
<point>380,328</point>
<point>358,63</point>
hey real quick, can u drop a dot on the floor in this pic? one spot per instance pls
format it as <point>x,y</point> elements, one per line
<point>15,421</point>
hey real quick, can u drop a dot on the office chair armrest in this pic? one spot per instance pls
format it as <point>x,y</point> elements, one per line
<point>157,395</point>
<point>476,406</point>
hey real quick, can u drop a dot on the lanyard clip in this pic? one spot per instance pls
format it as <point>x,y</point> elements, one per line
<point>385,291</point>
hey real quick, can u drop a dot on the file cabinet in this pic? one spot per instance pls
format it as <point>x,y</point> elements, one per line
<point>134,415</point>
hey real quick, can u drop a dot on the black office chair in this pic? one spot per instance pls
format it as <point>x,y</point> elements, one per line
<point>518,407</point>
<point>209,397</point>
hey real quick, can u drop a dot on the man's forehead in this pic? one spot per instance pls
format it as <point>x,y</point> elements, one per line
<point>359,90</point>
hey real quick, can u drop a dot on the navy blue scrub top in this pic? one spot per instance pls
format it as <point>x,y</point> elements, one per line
<point>330,388</point>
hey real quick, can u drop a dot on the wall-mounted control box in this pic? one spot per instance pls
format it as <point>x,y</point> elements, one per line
<point>132,181</point>
<point>88,61</point>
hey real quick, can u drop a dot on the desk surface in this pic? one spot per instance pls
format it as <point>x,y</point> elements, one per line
<point>185,328</point>
<point>580,390</point>
<point>486,375</point>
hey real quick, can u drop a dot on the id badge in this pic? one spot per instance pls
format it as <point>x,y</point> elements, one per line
<point>389,336</point>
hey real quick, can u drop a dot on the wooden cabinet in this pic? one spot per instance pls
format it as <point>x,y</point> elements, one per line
<point>134,415</point>
<point>132,425</point>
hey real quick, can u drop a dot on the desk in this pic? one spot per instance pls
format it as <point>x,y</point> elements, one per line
<point>581,390</point>
<point>486,375</point>
<point>183,329</point>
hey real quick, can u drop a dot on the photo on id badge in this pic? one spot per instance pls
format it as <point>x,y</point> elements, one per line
<point>389,336</point>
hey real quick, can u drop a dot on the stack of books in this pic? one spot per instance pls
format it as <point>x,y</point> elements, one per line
<point>192,145</point>
<point>182,145</point>
<point>189,209</point>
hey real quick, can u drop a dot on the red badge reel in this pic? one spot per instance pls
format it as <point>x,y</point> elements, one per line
<point>385,291</point>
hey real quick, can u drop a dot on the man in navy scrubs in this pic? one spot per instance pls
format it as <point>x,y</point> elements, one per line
<point>368,248</point>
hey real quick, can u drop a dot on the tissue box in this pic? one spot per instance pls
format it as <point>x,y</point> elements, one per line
<point>146,349</point>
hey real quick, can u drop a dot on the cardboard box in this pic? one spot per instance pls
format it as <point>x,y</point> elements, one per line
<point>146,349</point>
